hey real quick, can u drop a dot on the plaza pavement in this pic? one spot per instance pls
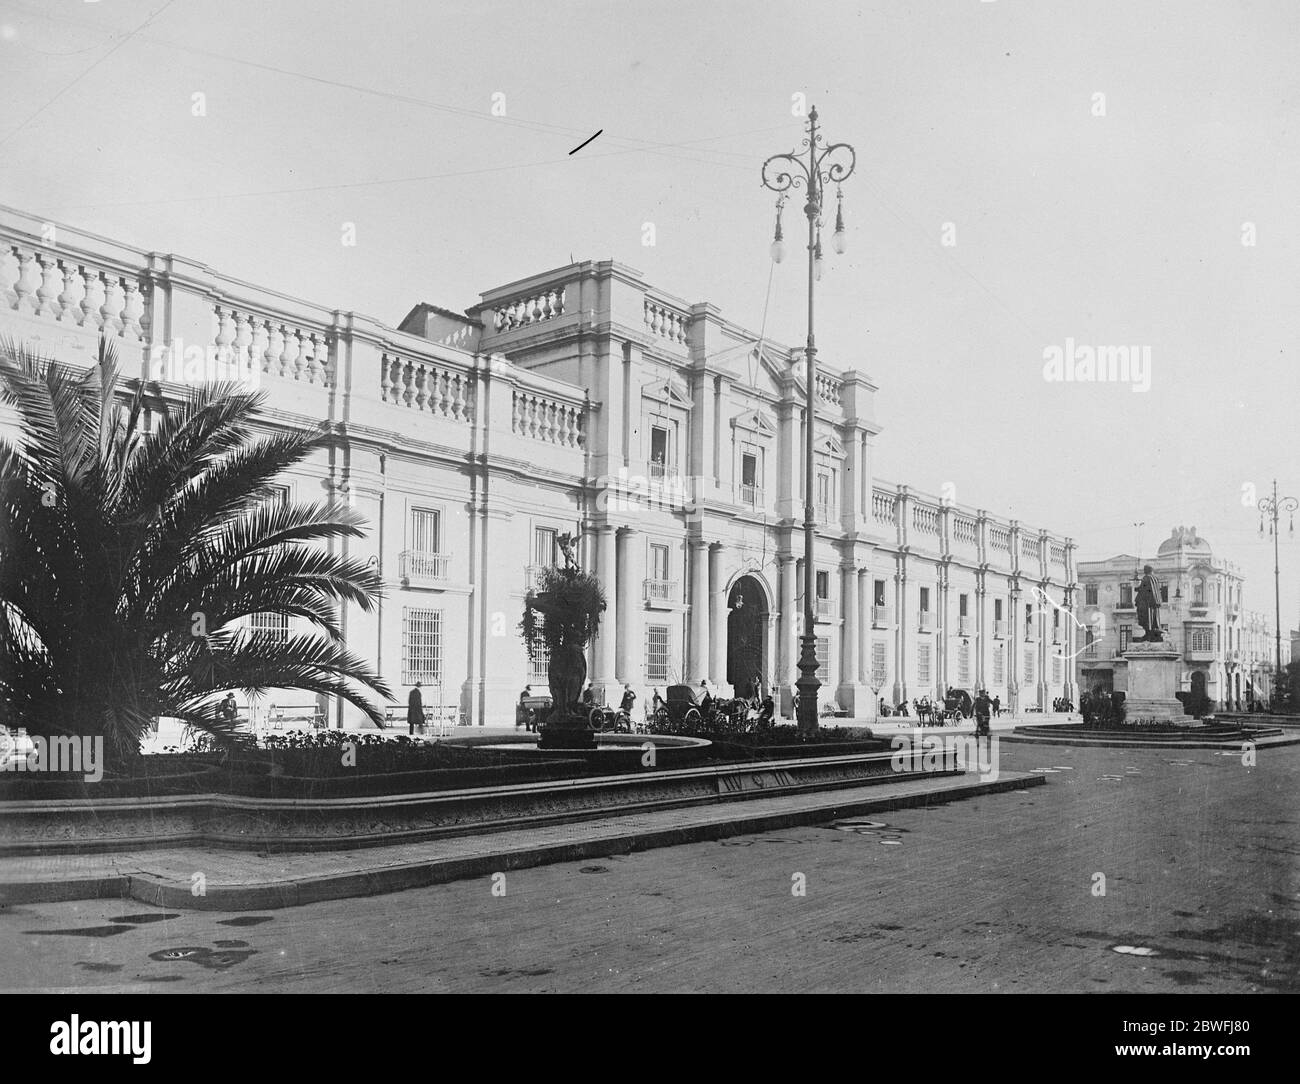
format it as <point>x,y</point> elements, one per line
<point>1200,854</point>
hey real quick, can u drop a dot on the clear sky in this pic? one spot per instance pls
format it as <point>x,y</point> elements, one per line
<point>1115,221</point>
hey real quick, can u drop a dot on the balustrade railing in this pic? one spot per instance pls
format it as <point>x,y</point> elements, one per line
<point>665,322</point>
<point>829,388</point>
<point>549,420</point>
<point>884,508</point>
<point>535,308</point>
<point>73,291</point>
<point>660,590</point>
<point>273,346</point>
<point>428,386</point>
<point>417,567</point>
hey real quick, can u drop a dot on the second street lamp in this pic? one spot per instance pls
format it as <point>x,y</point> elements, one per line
<point>811,169</point>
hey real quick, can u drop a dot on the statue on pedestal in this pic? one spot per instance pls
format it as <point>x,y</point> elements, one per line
<point>1147,602</point>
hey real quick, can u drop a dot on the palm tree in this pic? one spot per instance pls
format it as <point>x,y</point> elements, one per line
<point>129,556</point>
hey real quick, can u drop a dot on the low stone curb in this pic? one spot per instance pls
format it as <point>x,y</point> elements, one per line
<point>176,895</point>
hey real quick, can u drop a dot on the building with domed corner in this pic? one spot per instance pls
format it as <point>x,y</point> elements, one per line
<point>588,401</point>
<point>1201,613</point>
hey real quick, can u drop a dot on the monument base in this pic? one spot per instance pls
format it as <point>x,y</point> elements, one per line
<point>1153,671</point>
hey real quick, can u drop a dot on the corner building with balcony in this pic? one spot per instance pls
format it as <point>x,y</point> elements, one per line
<point>586,400</point>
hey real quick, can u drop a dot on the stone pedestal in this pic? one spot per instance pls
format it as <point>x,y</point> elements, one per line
<point>1152,681</point>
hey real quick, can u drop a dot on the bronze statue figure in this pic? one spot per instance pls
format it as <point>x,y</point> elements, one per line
<point>1147,602</point>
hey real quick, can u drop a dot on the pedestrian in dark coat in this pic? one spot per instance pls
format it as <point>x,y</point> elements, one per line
<point>414,710</point>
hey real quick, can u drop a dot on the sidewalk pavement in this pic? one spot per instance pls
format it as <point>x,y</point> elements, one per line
<point>221,880</point>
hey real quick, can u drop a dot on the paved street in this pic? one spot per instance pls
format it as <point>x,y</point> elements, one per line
<point>1201,858</point>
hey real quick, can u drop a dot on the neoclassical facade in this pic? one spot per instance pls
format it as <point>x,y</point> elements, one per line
<point>586,400</point>
<point>1227,653</point>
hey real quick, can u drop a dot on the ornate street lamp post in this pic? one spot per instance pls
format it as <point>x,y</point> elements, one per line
<point>825,164</point>
<point>1270,508</point>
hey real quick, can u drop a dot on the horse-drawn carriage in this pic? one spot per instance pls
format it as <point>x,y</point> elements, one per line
<point>957,705</point>
<point>684,710</point>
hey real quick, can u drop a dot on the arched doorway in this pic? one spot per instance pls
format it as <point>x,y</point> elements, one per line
<point>1198,699</point>
<point>747,635</point>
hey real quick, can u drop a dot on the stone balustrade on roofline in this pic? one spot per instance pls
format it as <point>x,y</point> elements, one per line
<point>589,293</point>
<point>924,526</point>
<point>62,288</point>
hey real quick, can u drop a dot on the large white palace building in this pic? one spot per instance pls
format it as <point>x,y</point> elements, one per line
<point>585,400</point>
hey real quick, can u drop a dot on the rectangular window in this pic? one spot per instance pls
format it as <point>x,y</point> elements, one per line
<point>923,663</point>
<point>1202,640</point>
<point>546,547</point>
<point>824,495</point>
<point>421,646</point>
<point>1090,594</point>
<point>1029,664</point>
<point>1125,631</point>
<point>1164,592</point>
<point>963,664</point>
<point>997,609</point>
<point>659,562</point>
<point>823,585</point>
<point>748,470</point>
<point>1029,621</point>
<point>426,530</point>
<point>539,664</point>
<point>1126,595</point>
<point>961,605</point>
<point>925,600</point>
<point>656,653</point>
<point>999,665</point>
<point>1056,669</point>
<point>878,588</point>
<point>274,626</point>
<point>823,659</point>
<point>1090,642</point>
<point>878,663</point>
<point>659,452</point>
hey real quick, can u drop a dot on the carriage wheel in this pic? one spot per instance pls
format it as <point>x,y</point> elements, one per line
<point>661,717</point>
<point>693,718</point>
<point>596,719</point>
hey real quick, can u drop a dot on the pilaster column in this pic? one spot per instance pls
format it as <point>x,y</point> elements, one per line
<point>788,633</point>
<point>718,618</point>
<point>902,625</point>
<point>697,657</point>
<point>864,628</point>
<point>849,694</point>
<point>631,554</point>
<point>603,661</point>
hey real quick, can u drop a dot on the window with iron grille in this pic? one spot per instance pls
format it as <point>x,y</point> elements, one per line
<point>275,626</point>
<point>923,663</point>
<point>1029,664</point>
<point>1125,634</point>
<point>539,663</point>
<point>1090,594</point>
<point>426,530</point>
<point>546,547</point>
<point>823,659</point>
<point>823,585</point>
<point>1126,595</point>
<point>657,638</point>
<point>963,664</point>
<point>878,663</point>
<point>999,665</point>
<point>1056,669</point>
<point>421,646</point>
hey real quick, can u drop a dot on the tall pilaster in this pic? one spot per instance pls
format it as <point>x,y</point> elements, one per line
<point>604,660</point>
<point>631,560</point>
<point>850,694</point>
<point>788,634</point>
<point>697,658</point>
<point>718,618</point>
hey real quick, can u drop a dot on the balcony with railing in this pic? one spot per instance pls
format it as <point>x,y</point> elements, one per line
<point>660,592</point>
<point>999,630</point>
<point>751,495</point>
<point>825,513</point>
<point>825,609</point>
<point>925,621</point>
<point>418,569</point>
<point>882,616</point>
<point>1200,653</point>
<point>964,625</point>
